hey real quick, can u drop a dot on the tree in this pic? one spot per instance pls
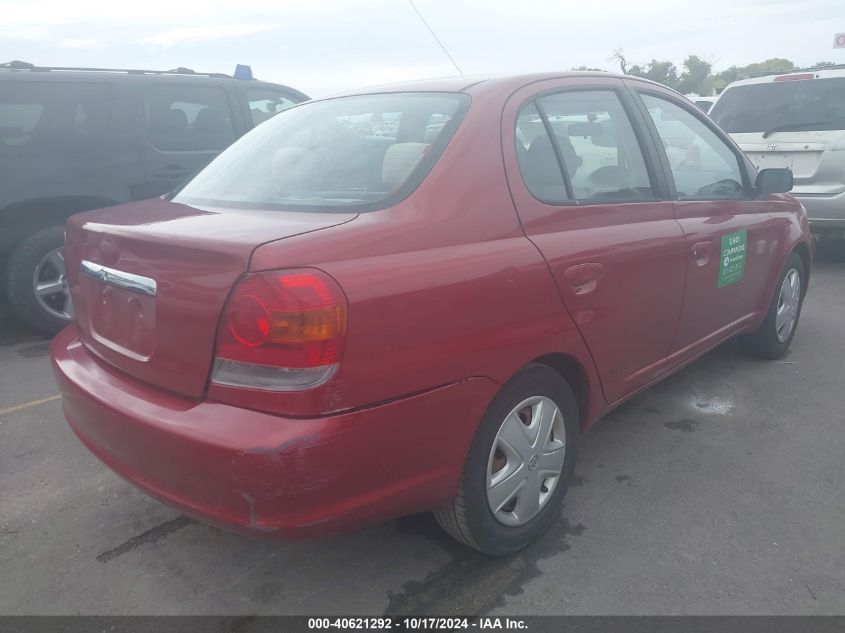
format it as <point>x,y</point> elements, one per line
<point>696,76</point>
<point>619,57</point>
<point>664,72</point>
<point>727,76</point>
<point>774,65</point>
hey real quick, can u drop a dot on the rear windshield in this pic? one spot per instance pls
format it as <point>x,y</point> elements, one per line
<point>798,105</point>
<point>347,154</point>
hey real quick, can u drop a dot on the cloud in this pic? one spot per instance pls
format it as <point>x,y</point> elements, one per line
<point>174,37</point>
<point>328,46</point>
<point>77,42</point>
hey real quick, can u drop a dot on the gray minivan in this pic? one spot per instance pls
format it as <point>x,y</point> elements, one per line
<point>75,139</point>
<point>795,120</point>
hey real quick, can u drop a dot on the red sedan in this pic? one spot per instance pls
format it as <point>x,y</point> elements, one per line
<point>417,298</point>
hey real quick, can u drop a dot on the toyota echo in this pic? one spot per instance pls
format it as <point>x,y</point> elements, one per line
<point>417,298</point>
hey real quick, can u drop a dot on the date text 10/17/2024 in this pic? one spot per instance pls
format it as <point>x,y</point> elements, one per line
<point>418,624</point>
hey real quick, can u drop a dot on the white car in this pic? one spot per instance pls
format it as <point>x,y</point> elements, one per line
<point>795,120</point>
<point>705,103</point>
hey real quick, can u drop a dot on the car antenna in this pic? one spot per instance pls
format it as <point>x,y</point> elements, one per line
<point>436,39</point>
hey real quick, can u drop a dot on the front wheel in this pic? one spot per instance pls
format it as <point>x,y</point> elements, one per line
<point>771,340</point>
<point>519,465</point>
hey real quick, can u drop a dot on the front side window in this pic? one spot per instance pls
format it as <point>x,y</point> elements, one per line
<point>702,164</point>
<point>188,118</point>
<point>595,140</point>
<point>265,104</point>
<point>345,153</point>
<point>53,116</point>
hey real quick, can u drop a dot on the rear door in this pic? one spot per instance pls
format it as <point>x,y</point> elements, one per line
<point>182,127</point>
<point>730,235</point>
<point>55,139</point>
<point>583,178</point>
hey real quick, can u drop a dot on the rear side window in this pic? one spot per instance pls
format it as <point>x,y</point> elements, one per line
<point>188,118</point>
<point>265,104</point>
<point>346,153</point>
<point>702,164</point>
<point>594,138</point>
<point>535,154</point>
<point>797,105</point>
<point>53,116</point>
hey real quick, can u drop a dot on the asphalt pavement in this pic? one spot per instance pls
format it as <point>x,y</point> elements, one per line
<point>718,491</point>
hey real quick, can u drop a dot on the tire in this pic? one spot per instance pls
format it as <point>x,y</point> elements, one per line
<point>20,279</point>
<point>768,341</point>
<point>470,517</point>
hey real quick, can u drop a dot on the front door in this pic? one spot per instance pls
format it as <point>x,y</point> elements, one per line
<point>730,236</point>
<point>585,185</point>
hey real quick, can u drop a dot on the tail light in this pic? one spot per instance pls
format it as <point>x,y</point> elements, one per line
<point>281,331</point>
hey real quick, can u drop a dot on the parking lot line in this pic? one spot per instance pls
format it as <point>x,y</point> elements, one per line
<point>31,403</point>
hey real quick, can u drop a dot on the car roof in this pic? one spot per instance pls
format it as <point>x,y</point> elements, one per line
<point>480,83</point>
<point>26,72</point>
<point>819,73</point>
<point>24,69</point>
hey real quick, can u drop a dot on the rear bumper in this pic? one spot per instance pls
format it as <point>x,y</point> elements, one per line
<point>824,212</point>
<point>262,474</point>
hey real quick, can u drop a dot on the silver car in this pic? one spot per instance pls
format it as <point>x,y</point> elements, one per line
<point>795,120</point>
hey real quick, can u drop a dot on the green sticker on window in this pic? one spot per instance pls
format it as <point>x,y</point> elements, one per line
<point>732,262</point>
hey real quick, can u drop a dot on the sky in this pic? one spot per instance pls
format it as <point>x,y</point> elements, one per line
<point>327,46</point>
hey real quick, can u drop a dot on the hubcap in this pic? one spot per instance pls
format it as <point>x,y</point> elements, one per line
<point>789,302</point>
<point>50,286</point>
<point>526,461</point>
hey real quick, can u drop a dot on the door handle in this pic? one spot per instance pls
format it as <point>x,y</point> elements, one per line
<point>701,252</point>
<point>172,171</point>
<point>583,277</point>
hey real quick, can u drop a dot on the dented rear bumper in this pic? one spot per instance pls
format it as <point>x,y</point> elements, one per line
<point>263,474</point>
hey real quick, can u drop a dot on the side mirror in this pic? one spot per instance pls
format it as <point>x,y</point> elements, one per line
<point>774,181</point>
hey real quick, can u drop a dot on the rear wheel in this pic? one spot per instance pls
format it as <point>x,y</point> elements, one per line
<point>35,281</point>
<point>519,465</point>
<point>772,339</point>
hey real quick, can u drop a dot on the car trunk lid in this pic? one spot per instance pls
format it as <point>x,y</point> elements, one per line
<point>149,281</point>
<point>816,158</point>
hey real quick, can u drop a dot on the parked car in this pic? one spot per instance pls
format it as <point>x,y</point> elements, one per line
<point>705,103</point>
<point>796,121</point>
<point>78,139</point>
<point>326,328</point>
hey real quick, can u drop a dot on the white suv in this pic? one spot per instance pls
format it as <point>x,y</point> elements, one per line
<point>795,120</point>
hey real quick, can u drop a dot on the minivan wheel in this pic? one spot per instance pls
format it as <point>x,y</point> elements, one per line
<point>35,281</point>
<point>519,465</point>
<point>772,338</point>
